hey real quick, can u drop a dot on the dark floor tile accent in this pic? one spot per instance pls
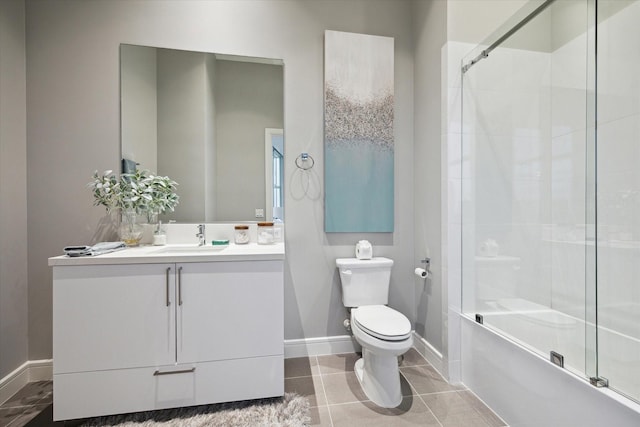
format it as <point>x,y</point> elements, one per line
<point>45,419</point>
<point>29,414</point>
<point>7,415</point>
<point>30,394</point>
<point>301,367</point>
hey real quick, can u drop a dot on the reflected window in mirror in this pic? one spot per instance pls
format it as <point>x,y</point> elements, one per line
<point>274,172</point>
<point>278,160</point>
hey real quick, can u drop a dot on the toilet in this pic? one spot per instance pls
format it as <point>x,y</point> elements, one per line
<point>383,332</point>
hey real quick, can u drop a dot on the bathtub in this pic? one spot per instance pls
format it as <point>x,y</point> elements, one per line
<point>505,361</point>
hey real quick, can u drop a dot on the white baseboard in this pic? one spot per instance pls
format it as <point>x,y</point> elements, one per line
<point>321,345</point>
<point>30,371</point>
<point>433,356</point>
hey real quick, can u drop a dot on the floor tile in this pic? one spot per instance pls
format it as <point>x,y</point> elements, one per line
<point>425,379</point>
<point>320,416</point>
<point>343,388</point>
<point>48,398</point>
<point>405,387</point>
<point>411,412</point>
<point>309,387</point>
<point>29,414</point>
<point>491,418</point>
<point>7,415</point>
<point>487,414</point>
<point>413,358</point>
<point>464,421</point>
<point>301,367</point>
<point>45,419</point>
<point>30,394</point>
<point>336,363</point>
<point>453,410</point>
<point>471,399</point>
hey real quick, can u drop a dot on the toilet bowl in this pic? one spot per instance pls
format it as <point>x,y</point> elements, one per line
<point>384,334</point>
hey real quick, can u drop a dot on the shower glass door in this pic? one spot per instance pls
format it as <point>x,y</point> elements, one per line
<point>618,202</point>
<point>529,210</point>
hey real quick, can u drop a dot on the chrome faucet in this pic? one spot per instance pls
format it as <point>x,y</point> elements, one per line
<point>200,235</point>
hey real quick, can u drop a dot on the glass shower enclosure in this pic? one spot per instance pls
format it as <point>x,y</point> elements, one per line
<point>551,186</point>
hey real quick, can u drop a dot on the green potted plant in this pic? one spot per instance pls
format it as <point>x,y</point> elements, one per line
<point>163,199</point>
<point>163,196</point>
<point>134,194</point>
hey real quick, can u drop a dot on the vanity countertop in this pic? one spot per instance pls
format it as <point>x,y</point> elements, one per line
<point>178,253</point>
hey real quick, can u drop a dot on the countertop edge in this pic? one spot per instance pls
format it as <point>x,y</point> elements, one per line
<point>147,255</point>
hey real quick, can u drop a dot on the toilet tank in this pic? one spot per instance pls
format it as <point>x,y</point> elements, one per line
<point>364,281</point>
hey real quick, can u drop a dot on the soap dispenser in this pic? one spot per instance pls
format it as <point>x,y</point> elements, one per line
<point>159,236</point>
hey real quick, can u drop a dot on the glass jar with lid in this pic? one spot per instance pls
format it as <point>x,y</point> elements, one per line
<point>241,235</point>
<point>265,233</point>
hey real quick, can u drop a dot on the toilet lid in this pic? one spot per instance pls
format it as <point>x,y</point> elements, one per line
<point>382,322</point>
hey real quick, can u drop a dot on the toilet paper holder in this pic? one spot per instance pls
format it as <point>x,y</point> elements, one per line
<point>423,272</point>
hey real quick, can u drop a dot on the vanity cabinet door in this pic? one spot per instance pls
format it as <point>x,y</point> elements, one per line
<point>228,310</point>
<point>111,317</point>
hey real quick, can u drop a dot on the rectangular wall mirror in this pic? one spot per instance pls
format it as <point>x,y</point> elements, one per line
<point>213,123</point>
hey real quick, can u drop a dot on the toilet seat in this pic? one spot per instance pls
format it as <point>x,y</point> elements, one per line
<point>382,322</point>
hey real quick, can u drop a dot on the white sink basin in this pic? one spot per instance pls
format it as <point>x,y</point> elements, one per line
<point>190,249</point>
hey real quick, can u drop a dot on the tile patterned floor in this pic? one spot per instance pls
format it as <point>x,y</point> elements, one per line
<point>333,392</point>
<point>428,400</point>
<point>26,404</point>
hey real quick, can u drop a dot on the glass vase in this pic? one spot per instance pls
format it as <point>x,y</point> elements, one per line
<point>149,227</point>
<point>130,230</point>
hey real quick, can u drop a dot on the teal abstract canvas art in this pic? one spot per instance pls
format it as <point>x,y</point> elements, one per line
<point>358,133</point>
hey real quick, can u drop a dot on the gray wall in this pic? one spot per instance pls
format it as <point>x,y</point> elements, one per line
<point>472,21</point>
<point>139,106</point>
<point>13,201</point>
<point>429,34</point>
<point>248,100</point>
<point>183,127</point>
<point>73,128</point>
<point>210,155</point>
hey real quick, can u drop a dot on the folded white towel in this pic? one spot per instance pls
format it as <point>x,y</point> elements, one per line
<point>97,249</point>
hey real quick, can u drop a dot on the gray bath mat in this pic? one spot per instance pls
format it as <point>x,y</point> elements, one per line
<point>291,410</point>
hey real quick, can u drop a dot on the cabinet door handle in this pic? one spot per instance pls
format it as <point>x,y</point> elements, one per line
<point>167,283</point>
<point>179,285</point>
<point>182,371</point>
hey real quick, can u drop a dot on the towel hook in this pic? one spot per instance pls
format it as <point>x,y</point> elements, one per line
<point>304,158</point>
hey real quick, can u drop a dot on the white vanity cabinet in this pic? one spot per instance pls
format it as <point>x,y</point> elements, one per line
<point>135,337</point>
